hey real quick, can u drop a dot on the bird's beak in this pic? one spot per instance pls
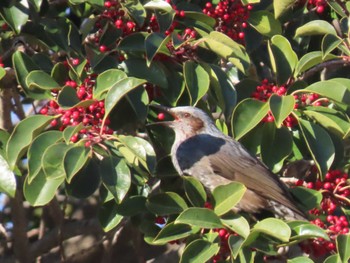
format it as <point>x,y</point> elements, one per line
<point>166,110</point>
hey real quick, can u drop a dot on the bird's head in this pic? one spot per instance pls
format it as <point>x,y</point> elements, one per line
<point>187,121</point>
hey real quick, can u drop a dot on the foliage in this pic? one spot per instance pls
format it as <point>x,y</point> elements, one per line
<point>276,72</point>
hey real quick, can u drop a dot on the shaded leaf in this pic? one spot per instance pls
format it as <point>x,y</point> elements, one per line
<point>172,232</point>
<point>74,160</point>
<point>194,191</point>
<point>166,204</point>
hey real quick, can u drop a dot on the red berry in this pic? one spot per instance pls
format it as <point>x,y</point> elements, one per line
<point>161,116</point>
<point>103,48</point>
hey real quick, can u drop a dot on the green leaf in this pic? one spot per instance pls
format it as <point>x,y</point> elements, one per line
<point>331,119</point>
<point>201,217</point>
<point>156,43</point>
<point>283,58</point>
<point>71,130</point>
<point>7,179</point>
<point>86,181</point>
<point>136,11</point>
<point>52,160</point>
<point>197,81</point>
<point>333,259</point>
<point>281,6</point>
<point>142,149</point>
<point>309,198</point>
<point>247,114</point>
<point>199,251</point>
<point>310,60</point>
<point>320,145</point>
<point>315,27</point>
<point>305,230</point>
<point>194,191</point>
<point>226,48</point>
<point>227,196</point>
<point>281,107</point>
<point>333,90</point>
<point>2,72</point>
<point>115,176</point>
<point>41,80</point>
<point>23,64</point>
<point>22,135</point>
<point>236,223</point>
<point>17,15</point>
<point>74,160</point>
<point>42,189</point>
<point>329,43</point>
<point>36,151</point>
<point>300,260</point>
<point>273,227</point>
<point>343,246</point>
<point>106,80</point>
<point>159,5</point>
<point>265,23</point>
<point>276,146</point>
<point>117,92</point>
<point>172,232</point>
<point>235,243</point>
<point>109,217</point>
<point>166,204</point>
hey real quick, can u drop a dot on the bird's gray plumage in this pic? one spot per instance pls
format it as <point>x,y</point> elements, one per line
<point>204,152</point>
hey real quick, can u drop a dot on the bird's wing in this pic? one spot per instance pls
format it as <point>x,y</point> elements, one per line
<point>233,162</point>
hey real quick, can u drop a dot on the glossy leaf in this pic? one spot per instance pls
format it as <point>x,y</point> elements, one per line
<point>136,11</point>
<point>7,179</point>
<point>228,49</point>
<point>236,223</point>
<point>36,151</point>
<point>283,58</point>
<point>142,149</point>
<point>281,6</point>
<point>329,118</point>
<point>115,176</point>
<point>274,227</point>
<point>22,135</point>
<point>132,205</point>
<point>305,230</point>
<point>320,145</point>
<point>17,15</point>
<point>276,146</point>
<point>166,204</point>
<point>109,217</point>
<point>265,23</point>
<point>197,81</point>
<point>172,232</point>
<point>194,191</point>
<point>310,60</point>
<point>309,198</point>
<point>199,251</point>
<point>333,259</point>
<point>42,189</point>
<point>72,130</point>
<point>227,196</point>
<point>23,65</point>
<point>247,114</point>
<point>117,92</point>
<point>235,243</point>
<point>329,43</point>
<point>41,80</point>
<point>281,107</point>
<point>200,217</point>
<point>52,160</point>
<point>159,5</point>
<point>74,159</point>
<point>156,43</point>
<point>315,27</point>
<point>332,90</point>
<point>343,246</point>
<point>106,80</point>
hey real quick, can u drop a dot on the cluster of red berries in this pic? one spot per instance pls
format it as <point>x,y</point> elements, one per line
<point>224,251</point>
<point>318,5</point>
<point>264,91</point>
<point>335,189</point>
<point>307,99</point>
<point>230,16</point>
<point>91,116</point>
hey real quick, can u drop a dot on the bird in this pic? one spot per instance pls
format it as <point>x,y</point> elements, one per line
<point>201,150</point>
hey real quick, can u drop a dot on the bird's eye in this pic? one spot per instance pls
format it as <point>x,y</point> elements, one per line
<point>186,115</point>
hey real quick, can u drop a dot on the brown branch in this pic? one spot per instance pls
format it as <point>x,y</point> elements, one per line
<point>327,64</point>
<point>19,232</point>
